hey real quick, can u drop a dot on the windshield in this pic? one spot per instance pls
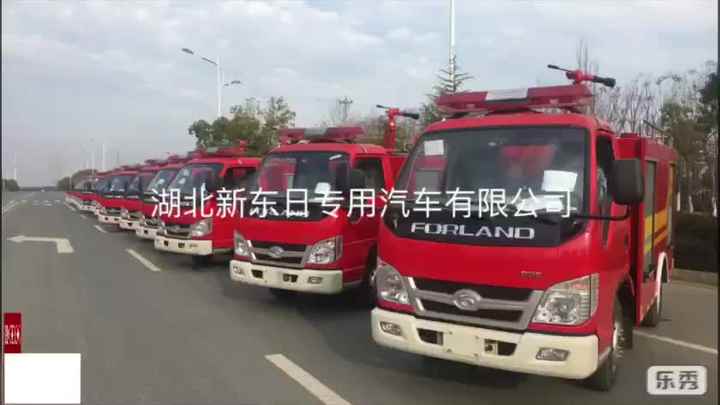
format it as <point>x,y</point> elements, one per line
<point>303,170</point>
<point>543,162</point>
<point>137,184</point>
<point>101,185</point>
<point>161,180</point>
<point>119,184</point>
<point>195,176</point>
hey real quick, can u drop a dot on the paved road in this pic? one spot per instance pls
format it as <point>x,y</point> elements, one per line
<point>178,336</point>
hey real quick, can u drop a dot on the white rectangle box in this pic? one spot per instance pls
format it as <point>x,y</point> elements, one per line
<point>42,378</point>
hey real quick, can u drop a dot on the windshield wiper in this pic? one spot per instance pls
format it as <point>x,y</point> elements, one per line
<point>543,217</point>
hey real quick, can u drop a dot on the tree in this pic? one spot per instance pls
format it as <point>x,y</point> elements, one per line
<point>250,122</point>
<point>63,184</point>
<point>10,185</point>
<point>446,84</point>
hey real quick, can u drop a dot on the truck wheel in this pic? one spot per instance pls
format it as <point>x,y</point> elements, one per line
<point>282,294</point>
<point>200,262</point>
<point>604,377</point>
<point>652,318</point>
<point>366,294</point>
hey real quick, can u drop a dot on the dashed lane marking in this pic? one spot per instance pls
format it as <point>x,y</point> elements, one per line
<point>100,228</point>
<point>676,342</point>
<point>147,263</point>
<point>310,383</point>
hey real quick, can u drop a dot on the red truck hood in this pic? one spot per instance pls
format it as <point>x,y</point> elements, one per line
<point>286,231</point>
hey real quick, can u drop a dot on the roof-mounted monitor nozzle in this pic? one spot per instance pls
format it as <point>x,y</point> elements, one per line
<point>579,76</point>
<point>391,130</point>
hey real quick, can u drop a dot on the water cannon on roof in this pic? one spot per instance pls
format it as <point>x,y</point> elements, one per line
<point>579,76</point>
<point>317,135</point>
<point>391,131</point>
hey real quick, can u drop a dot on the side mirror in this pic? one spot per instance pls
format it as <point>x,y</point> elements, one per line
<point>357,179</point>
<point>626,181</point>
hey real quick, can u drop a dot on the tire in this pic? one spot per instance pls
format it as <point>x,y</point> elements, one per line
<point>604,377</point>
<point>366,294</point>
<point>200,262</point>
<point>652,318</point>
<point>279,293</point>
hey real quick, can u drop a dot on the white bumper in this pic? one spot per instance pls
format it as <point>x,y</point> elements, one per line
<point>324,281</point>
<point>145,232</point>
<point>184,246</point>
<point>128,224</point>
<point>108,219</point>
<point>87,208</point>
<point>466,344</point>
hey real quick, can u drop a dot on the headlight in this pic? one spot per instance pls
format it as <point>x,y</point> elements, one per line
<point>242,248</point>
<point>124,214</point>
<point>570,302</point>
<point>390,284</point>
<point>326,251</point>
<point>141,217</point>
<point>201,228</point>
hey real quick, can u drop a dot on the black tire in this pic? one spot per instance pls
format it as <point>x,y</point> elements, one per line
<point>200,262</point>
<point>282,294</point>
<point>604,377</point>
<point>654,314</point>
<point>366,294</point>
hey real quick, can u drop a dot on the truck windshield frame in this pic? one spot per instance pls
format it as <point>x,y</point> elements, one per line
<point>118,184</point>
<point>161,181</point>
<point>308,179</point>
<point>483,158</point>
<point>466,141</point>
<point>191,172</point>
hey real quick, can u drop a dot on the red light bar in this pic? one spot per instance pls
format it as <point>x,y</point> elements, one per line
<point>332,134</point>
<point>239,149</point>
<point>154,162</point>
<point>567,97</point>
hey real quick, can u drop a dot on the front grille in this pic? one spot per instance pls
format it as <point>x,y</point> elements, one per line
<point>151,222</point>
<point>134,215</point>
<point>112,211</point>
<point>180,231</point>
<point>501,307</point>
<point>486,291</point>
<point>292,255</point>
<point>498,315</point>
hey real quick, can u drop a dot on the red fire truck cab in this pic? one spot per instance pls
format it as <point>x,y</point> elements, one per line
<point>131,210</point>
<point>317,252</point>
<point>148,220</point>
<point>113,194</point>
<point>203,234</point>
<point>555,293</point>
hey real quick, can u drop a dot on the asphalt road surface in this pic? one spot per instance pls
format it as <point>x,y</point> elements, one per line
<point>151,330</point>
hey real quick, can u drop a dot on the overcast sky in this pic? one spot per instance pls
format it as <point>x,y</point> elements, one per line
<point>75,75</point>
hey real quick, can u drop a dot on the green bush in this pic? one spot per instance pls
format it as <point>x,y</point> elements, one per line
<point>696,242</point>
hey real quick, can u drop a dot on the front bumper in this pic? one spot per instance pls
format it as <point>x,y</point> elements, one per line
<point>128,224</point>
<point>145,232</point>
<point>109,219</point>
<point>467,344</point>
<point>325,281</point>
<point>184,246</point>
<point>87,208</point>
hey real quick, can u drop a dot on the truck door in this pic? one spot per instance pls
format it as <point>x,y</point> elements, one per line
<point>647,280</point>
<point>364,229</point>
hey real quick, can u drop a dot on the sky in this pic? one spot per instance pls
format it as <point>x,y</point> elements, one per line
<point>77,75</point>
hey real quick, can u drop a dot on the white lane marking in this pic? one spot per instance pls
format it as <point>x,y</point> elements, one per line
<point>677,342</point>
<point>147,263</point>
<point>61,244</point>
<point>100,228</point>
<point>83,217</point>
<point>310,383</point>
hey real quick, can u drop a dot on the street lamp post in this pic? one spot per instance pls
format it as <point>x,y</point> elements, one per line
<point>220,78</point>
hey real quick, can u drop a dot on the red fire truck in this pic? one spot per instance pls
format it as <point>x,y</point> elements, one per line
<point>204,234</point>
<point>101,183</point>
<point>148,220</point>
<point>113,194</point>
<point>322,251</point>
<point>131,210</point>
<point>555,291</point>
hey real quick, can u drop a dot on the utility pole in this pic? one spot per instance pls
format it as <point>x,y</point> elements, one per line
<point>345,103</point>
<point>117,158</point>
<point>103,156</point>
<point>451,67</point>
<point>15,168</point>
